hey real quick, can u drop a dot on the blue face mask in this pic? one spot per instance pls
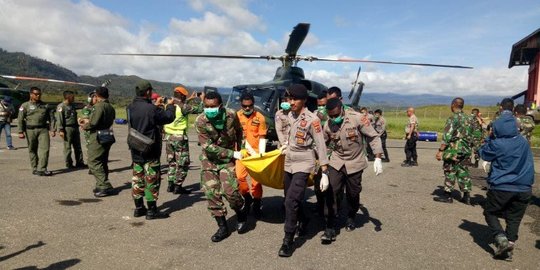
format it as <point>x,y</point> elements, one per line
<point>211,113</point>
<point>285,106</point>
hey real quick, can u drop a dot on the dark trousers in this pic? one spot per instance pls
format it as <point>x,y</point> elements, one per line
<point>410,149</point>
<point>353,186</point>
<point>383,142</point>
<point>295,188</point>
<point>511,206</point>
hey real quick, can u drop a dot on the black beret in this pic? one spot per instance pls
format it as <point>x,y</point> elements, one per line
<point>298,91</point>
<point>333,103</point>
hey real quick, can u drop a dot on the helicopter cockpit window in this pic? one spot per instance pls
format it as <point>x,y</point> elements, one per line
<point>263,98</point>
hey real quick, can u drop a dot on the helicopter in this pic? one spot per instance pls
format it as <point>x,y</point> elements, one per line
<point>19,96</point>
<point>268,94</point>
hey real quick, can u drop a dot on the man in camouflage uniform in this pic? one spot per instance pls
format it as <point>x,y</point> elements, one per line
<point>477,134</point>
<point>177,147</point>
<point>36,123</point>
<point>101,118</point>
<point>525,123</point>
<point>68,130</point>
<point>85,115</point>
<point>220,136</point>
<point>454,151</point>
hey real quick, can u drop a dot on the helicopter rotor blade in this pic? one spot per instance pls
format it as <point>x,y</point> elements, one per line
<point>355,82</point>
<point>267,57</point>
<point>312,58</point>
<point>43,80</point>
<point>296,38</point>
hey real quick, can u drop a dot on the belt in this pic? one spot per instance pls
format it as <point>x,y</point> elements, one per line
<point>35,127</point>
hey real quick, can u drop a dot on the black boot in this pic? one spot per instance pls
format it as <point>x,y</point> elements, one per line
<point>179,189</point>
<point>170,187</point>
<point>257,211</point>
<point>140,210</point>
<point>466,199</point>
<point>223,230</point>
<point>350,225</point>
<point>447,198</point>
<point>328,236</point>
<point>248,200</point>
<point>286,249</point>
<point>241,218</point>
<point>302,227</point>
<point>154,213</point>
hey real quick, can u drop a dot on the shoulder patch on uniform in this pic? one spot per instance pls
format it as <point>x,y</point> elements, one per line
<point>317,125</point>
<point>364,120</point>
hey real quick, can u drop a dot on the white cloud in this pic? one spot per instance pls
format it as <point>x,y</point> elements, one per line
<point>75,34</point>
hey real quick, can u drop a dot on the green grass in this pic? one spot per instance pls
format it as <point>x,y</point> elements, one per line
<point>433,118</point>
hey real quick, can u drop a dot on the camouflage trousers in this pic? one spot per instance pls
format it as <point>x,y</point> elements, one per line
<point>456,170</point>
<point>220,182</point>
<point>145,181</point>
<point>177,149</point>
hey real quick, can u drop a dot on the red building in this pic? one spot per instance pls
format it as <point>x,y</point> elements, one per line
<point>527,52</point>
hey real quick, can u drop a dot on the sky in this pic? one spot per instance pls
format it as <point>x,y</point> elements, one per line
<point>477,33</point>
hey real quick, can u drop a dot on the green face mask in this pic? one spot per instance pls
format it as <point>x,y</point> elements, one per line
<point>285,106</point>
<point>248,112</point>
<point>338,120</point>
<point>211,113</point>
<point>321,109</point>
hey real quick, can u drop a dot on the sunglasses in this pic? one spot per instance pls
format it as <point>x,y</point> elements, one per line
<point>247,106</point>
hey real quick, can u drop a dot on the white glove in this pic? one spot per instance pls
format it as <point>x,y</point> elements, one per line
<point>250,149</point>
<point>262,146</point>
<point>283,149</point>
<point>237,155</point>
<point>377,166</point>
<point>324,182</point>
<point>486,165</point>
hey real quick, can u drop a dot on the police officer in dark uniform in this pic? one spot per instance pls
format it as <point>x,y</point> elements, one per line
<point>68,130</point>
<point>36,123</point>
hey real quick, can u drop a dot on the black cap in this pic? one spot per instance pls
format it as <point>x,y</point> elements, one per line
<point>333,103</point>
<point>298,91</point>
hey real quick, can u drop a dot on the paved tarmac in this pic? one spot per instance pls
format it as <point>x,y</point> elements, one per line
<point>56,223</point>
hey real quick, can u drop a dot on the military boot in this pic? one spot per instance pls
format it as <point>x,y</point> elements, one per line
<point>154,213</point>
<point>223,230</point>
<point>466,199</point>
<point>350,225</point>
<point>446,198</point>
<point>140,210</point>
<point>287,247</point>
<point>503,247</point>
<point>248,200</point>
<point>170,187</point>
<point>328,236</point>
<point>257,211</point>
<point>241,218</point>
<point>179,189</point>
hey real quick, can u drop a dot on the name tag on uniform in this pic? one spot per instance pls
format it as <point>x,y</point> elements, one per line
<point>300,134</point>
<point>255,122</point>
<point>300,141</point>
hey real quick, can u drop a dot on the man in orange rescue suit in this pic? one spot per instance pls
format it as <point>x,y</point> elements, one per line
<point>304,136</point>
<point>254,132</point>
